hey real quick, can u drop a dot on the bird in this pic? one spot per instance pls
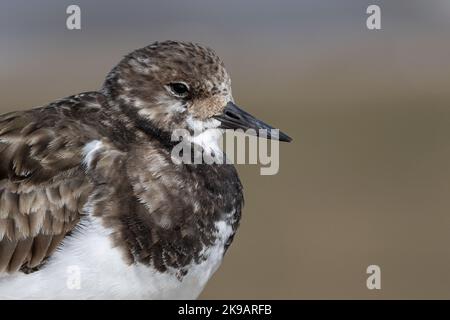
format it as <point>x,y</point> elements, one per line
<point>92,205</point>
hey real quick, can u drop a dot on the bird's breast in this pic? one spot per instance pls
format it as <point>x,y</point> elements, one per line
<point>176,212</point>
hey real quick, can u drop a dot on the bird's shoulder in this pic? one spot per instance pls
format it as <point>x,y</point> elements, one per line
<point>37,145</point>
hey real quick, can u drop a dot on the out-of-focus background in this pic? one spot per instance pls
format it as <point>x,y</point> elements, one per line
<point>367,178</point>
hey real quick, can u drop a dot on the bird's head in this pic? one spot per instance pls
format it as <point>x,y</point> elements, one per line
<point>177,85</point>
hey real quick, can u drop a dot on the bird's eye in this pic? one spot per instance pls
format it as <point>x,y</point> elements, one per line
<point>179,89</point>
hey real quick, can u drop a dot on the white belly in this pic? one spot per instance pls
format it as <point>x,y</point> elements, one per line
<point>87,267</point>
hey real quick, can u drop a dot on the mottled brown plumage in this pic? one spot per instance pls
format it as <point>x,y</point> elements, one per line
<point>94,176</point>
<point>42,186</point>
<point>162,214</point>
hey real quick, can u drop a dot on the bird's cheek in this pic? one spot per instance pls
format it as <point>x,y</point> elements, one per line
<point>206,108</point>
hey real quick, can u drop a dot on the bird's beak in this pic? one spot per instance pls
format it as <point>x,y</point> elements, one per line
<point>234,117</point>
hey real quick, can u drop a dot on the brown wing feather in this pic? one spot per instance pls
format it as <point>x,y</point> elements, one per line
<point>42,185</point>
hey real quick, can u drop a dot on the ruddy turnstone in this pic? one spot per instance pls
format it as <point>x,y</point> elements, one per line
<point>92,205</point>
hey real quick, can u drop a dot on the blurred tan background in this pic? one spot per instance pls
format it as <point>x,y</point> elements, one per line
<point>367,178</point>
